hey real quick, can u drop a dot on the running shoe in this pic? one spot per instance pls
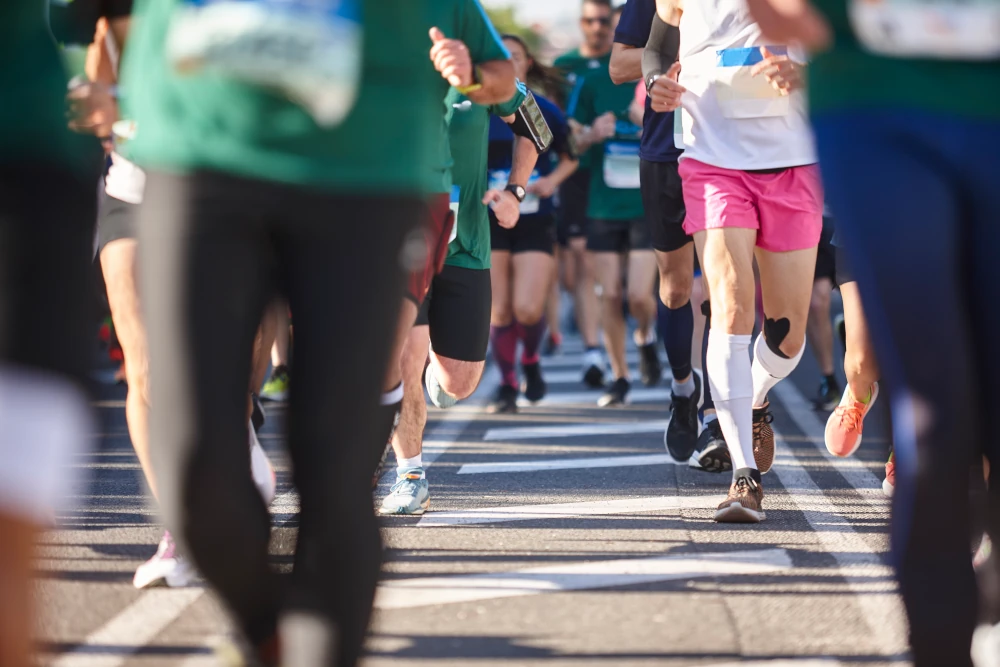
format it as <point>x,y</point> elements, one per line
<point>504,401</point>
<point>276,387</point>
<point>650,368</point>
<point>846,423</point>
<point>744,502</point>
<point>712,453</point>
<point>763,438</point>
<point>409,495</point>
<point>681,436</point>
<point>165,568</point>
<point>616,394</point>
<point>552,347</point>
<point>593,369</point>
<point>841,327</point>
<point>889,483</point>
<point>262,470</point>
<point>828,395</point>
<point>533,387</point>
<point>439,397</point>
<point>257,416</point>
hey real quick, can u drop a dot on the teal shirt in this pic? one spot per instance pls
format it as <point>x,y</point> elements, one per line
<point>614,164</point>
<point>469,134</point>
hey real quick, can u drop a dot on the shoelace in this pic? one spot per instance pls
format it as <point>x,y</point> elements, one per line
<point>758,422</point>
<point>850,416</point>
<point>746,484</point>
<point>408,482</point>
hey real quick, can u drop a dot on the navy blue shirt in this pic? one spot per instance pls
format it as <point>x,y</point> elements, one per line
<point>501,147</point>
<point>657,128</point>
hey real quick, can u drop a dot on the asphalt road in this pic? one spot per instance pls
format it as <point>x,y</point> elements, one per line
<point>559,536</point>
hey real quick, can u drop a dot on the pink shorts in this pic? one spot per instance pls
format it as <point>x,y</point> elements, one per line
<point>785,208</point>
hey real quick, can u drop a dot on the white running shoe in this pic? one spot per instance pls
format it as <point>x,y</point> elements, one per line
<point>165,568</point>
<point>262,470</point>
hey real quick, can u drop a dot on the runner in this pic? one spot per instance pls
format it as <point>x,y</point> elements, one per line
<point>47,212</point>
<point>819,328</point>
<point>593,55</point>
<point>270,175</point>
<point>751,189</point>
<point>663,202</point>
<point>454,321</point>
<point>912,179</point>
<point>521,260</point>
<point>617,227</point>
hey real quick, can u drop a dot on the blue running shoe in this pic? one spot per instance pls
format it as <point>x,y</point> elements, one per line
<point>409,495</point>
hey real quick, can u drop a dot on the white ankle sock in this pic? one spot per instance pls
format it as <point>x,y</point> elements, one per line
<point>769,369</point>
<point>413,462</point>
<point>683,389</point>
<point>732,388</point>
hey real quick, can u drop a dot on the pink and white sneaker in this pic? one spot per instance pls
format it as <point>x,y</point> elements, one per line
<point>846,423</point>
<point>165,568</point>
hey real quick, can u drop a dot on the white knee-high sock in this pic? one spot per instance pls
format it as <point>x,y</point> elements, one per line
<point>728,365</point>
<point>769,369</point>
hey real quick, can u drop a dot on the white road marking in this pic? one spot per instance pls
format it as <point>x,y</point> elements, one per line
<point>568,376</point>
<point>570,430</point>
<point>483,515</point>
<point>568,464</point>
<point>636,395</point>
<point>575,361</point>
<point>425,591</point>
<point>135,626</point>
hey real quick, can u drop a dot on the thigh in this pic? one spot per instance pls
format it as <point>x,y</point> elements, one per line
<point>532,278</point>
<point>119,264</point>
<point>608,236</point>
<point>641,272</point>
<point>608,271</point>
<point>459,314</point>
<point>500,282</point>
<point>727,265</point>
<point>786,281</point>
<point>663,202</point>
<point>427,257</point>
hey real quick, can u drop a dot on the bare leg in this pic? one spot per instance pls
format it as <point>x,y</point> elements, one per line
<point>587,306</point>
<point>282,335</point>
<point>407,316</point>
<point>641,283</point>
<point>16,603</point>
<point>407,441</point>
<point>533,275</point>
<point>552,304</point>
<point>860,365</point>
<point>609,275</point>
<point>819,328</point>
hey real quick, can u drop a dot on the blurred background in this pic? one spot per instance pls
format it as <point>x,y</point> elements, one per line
<point>549,27</point>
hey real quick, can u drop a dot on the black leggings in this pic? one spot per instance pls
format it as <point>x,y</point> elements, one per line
<point>213,249</point>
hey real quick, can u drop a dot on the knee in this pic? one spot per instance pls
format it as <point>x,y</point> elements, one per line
<point>819,303</point>
<point>641,298</point>
<point>501,314</point>
<point>675,290</point>
<point>529,313</point>
<point>462,381</point>
<point>729,315</point>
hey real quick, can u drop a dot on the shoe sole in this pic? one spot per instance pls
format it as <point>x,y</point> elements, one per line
<point>275,398</point>
<point>736,513</point>
<point>714,460</point>
<point>887,488</point>
<point>857,445</point>
<point>401,511</point>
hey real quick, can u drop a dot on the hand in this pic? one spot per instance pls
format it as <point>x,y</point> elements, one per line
<point>665,93</point>
<point>92,109</point>
<point>784,74</point>
<point>791,21</point>
<point>505,207</point>
<point>451,58</point>
<point>604,127</point>
<point>544,187</point>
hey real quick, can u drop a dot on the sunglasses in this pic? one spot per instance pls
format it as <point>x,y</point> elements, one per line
<point>602,21</point>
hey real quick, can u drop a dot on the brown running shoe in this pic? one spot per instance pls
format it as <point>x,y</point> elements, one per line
<point>763,438</point>
<point>743,505</point>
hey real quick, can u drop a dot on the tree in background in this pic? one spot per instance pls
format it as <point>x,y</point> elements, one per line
<point>505,21</point>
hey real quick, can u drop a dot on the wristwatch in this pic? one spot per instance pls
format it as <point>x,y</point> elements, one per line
<point>650,80</point>
<point>517,191</point>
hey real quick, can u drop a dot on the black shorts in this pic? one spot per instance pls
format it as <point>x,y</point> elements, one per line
<point>574,196</point>
<point>844,274</point>
<point>826,258</point>
<point>663,200</point>
<point>619,235</point>
<point>116,219</point>
<point>532,233</point>
<point>457,308</point>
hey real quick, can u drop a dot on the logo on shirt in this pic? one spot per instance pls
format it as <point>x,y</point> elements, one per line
<point>594,64</point>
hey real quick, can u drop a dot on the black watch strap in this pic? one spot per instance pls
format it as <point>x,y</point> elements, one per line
<point>518,191</point>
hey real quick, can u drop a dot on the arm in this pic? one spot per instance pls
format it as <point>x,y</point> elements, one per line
<point>546,186</point>
<point>626,63</point>
<point>497,80</point>
<point>661,49</point>
<point>486,83</point>
<point>119,30</point>
<point>670,11</point>
<point>505,205</point>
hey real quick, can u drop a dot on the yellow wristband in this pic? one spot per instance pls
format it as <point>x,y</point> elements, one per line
<point>475,85</point>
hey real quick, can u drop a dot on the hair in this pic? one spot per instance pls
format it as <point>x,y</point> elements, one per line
<point>547,80</point>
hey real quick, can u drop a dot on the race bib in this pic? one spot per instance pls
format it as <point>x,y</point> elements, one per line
<point>308,50</point>
<point>960,29</point>
<point>739,93</point>
<point>456,192</point>
<point>621,165</point>
<point>498,180</point>
<point>678,129</point>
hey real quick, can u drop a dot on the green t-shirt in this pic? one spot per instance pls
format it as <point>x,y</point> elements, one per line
<point>576,68</point>
<point>387,142</point>
<point>469,132</point>
<point>34,85</point>
<point>849,76</point>
<point>614,173</point>
<point>464,20</point>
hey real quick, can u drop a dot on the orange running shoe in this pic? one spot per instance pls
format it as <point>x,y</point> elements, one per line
<point>889,485</point>
<point>844,427</point>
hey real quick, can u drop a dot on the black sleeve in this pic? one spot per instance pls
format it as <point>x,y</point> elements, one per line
<point>661,49</point>
<point>116,9</point>
<point>74,23</point>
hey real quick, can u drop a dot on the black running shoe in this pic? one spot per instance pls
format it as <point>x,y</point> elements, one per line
<point>551,347</point>
<point>712,453</point>
<point>828,395</point>
<point>681,436</point>
<point>593,369</point>
<point>257,415</point>
<point>650,368</point>
<point>533,387</point>
<point>504,402</point>
<point>616,394</point>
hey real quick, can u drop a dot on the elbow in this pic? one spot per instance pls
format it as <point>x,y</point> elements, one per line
<point>618,75</point>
